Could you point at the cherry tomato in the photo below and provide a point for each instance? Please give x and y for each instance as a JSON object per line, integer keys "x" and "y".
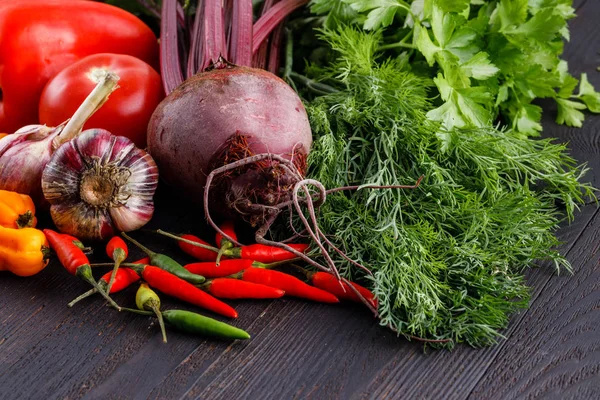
{"x": 127, "y": 110}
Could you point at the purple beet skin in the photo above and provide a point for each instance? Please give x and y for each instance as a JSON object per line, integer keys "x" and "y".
{"x": 194, "y": 123}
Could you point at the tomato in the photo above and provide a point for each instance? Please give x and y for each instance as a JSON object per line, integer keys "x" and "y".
{"x": 39, "y": 38}
{"x": 127, "y": 110}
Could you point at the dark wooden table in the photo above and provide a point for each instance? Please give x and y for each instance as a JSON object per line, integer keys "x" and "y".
{"x": 305, "y": 350}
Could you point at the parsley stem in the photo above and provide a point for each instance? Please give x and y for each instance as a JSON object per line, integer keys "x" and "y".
{"x": 317, "y": 87}
{"x": 396, "y": 45}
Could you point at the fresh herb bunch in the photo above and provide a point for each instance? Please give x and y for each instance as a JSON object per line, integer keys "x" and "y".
{"x": 488, "y": 59}
{"x": 447, "y": 257}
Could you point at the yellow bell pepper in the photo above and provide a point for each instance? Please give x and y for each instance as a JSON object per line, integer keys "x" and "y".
{"x": 23, "y": 252}
{"x": 16, "y": 210}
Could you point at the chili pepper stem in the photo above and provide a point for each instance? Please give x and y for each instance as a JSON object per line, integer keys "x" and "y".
{"x": 130, "y": 265}
{"x": 161, "y": 322}
{"x": 172, "y": 236}
{"x": 146, "y": 250}
{"x": 222, "y": 251}
{"x": 133, "y": 310}
{"x": 119, "y": 258}
{"x": 85, "y": 273}
{"x": 82, "y": 296}
{"x": 275, "y": 264}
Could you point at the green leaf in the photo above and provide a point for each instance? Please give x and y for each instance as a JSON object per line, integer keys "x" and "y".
{"x": 542, "y": 27}
{"x": 448, "y": 115}
{"x": 502, "y": 94}
{"x": 567, "y": 82}
{"x": 426, "y": 46}
{"x": 381, "y": 12}
{"x": 479, "y": 67}
{"x": 443, "y": 86}
{"x": 379, "y": 17}
{"x": 528, "y": 119}
{"x": 537, "y": 82}
{"x": 472, "y": 102}
{"x": 512, "y": 13}
{"x": 568, "y": 112}
{"x": 449, "y": 6}
{"x": 442, "y": 24}
{"x": 588, "y": 94}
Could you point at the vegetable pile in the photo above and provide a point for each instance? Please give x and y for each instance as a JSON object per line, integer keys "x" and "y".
{"x": 387, "y": 152}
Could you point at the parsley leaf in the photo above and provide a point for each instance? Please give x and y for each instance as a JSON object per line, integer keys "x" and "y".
{"x": 568, "y": 112}
{"x": 588, "y": 95}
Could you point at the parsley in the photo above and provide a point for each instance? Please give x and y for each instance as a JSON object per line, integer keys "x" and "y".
{"x": 490, "y": 59}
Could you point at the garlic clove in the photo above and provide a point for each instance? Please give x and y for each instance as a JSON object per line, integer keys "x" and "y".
{"x": 102, "y": 182}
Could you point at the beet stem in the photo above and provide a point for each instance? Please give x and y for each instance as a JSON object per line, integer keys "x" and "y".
{"x": 170, "y": 66}
{"x": 240, "y": 50}
{"x": 271, "y": 19}
{"x": 275, "y": 50}
{"x": 196, "y": 44}
{"x": 214, "y": 46}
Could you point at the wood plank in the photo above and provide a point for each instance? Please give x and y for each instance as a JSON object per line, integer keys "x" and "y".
{"x": 309, "y": 350}
{"x": 556, "y": 351}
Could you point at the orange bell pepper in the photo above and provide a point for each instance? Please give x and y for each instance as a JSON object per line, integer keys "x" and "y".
{"x": 16, "y": 210}
{"x": 24, "y": 252}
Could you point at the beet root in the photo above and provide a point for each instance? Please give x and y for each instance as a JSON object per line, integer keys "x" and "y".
{"x": 192, "y": 129}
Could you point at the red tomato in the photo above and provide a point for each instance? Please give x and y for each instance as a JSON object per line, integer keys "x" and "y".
{"x": 127, "y": 110}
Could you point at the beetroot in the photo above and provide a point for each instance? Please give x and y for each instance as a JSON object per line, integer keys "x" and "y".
{"x": 237, "y": 137}
{"x": 189, "y": 129}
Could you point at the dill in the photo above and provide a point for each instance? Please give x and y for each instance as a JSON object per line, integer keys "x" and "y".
{"x": 447, "y": 257}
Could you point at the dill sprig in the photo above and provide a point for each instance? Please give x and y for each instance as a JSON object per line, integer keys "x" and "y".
{"x": 447, "y": 257}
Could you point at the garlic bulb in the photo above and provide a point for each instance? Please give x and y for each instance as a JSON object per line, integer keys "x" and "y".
{"x": 23, "y": 156}
{"x": 98, "y": 184}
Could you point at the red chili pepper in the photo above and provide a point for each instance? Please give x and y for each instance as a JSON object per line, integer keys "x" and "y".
{"x": 229, "y": 288}
{"x": 228, "y": 228}
{"x": 292, "y": 285}
{"x": 223, "y": 243}
{"x": 329, "y": 282}
{"x": 76, "y": 241}
{"x": 116, "y": 248}
{"x": 173, "y": 286}
{"x": 265, "y": 254}
{"x": 74, "y": 260}
{"x": 225, "y": 268}
{"x": 124, "y": 278}
{"x": 198, "y": 253}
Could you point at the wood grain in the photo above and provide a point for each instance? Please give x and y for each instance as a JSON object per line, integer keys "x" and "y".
{"x": 556, "y": 351}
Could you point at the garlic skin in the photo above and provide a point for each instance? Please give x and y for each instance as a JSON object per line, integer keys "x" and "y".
{"x": 23, "y": 156}
{"x": 99, "y": 184}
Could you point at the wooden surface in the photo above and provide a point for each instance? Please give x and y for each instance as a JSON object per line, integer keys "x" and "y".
{"x": 306, "y": 350}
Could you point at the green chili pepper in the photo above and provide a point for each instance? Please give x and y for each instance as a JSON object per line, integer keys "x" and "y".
{"x": 190, "y": 322}
{"x": 147, "y": 299}
{"x": 168, "y": 264}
